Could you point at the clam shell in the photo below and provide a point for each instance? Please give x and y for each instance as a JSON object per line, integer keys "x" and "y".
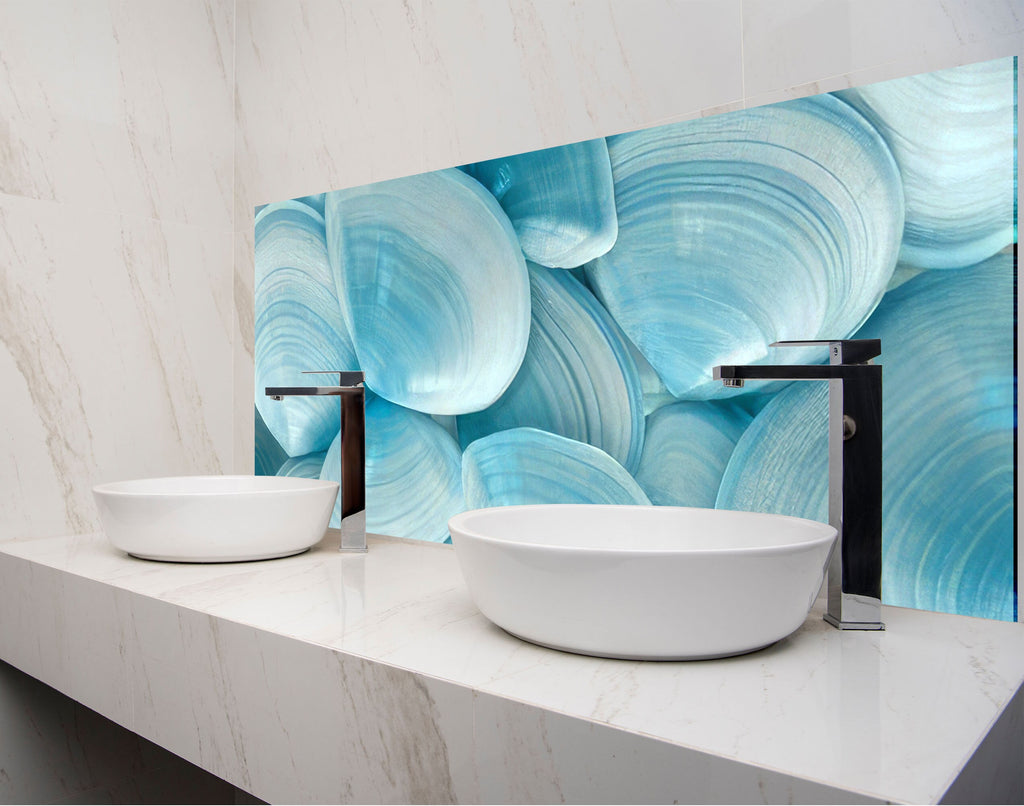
{"x": 953, "y": 134}
{"x": 433, "y": 287}
{"x": 560, "y": 201}
{"x": 530, "y": 466}
{"x": 780, "y": 462}
{"x": 686, "y": 449}
{"x": 735, "y": 231}
{"x": 305, "y": 467}
{"x": 268, "y": 453}
{"x": 578, "y": 378}
{"x": 413, "y": 474}
{"x": 299, "y": 326}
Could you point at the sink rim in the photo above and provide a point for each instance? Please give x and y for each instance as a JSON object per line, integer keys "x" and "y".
{"x": 149, "y": 486}
{"x": 826, "y": 533}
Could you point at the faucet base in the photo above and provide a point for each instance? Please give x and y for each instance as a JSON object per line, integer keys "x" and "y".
{"x": 853, "y": 625}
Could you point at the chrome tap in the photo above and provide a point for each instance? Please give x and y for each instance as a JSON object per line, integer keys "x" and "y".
{"x": 352, "y": 485}
{"x": 854, "y": 470}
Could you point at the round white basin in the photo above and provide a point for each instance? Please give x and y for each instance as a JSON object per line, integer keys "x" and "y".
{"x": 207, "y": 519}
{"x": 652, "y": 583}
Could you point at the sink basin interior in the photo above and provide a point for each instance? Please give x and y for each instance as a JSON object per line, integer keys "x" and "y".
{"x": 654, "y": 583}
{"x": 215, "y": 518}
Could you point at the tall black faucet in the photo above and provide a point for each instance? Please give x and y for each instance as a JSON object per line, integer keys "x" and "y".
{"x": 352, "y": 483}
{"x": 854, "y": 470}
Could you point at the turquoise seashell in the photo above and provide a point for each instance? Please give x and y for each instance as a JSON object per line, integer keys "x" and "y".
{"x": 560, "y": 201}
{"x": 735, "y": 231}
{"x": 655, "y": 392}
{"x": 577, "y": 379}
{"x": 530, "y": 466}
{"x": 268, "y": 453}
{"x": 316, "y": 201}
{"x": 299, "y": 326}
{"x": 413, "y": 474}
{"x": 953, "y": 134}
{"x": 434, "y": 289}
{"x": 290, "y": 234}
{"x": 686, "y": 449}
{"x": 305, "y": 467}
{"x": 948, "y": 443}
{"x": 780, "y": 463}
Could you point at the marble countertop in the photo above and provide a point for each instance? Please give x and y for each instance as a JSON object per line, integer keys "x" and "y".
{"x": 329, "y": 677}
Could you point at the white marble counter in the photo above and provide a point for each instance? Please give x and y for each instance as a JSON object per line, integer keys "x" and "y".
{"x": 373, "y": 678}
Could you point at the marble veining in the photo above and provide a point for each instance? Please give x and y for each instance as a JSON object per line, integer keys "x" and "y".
{"x": 385, "y": 659}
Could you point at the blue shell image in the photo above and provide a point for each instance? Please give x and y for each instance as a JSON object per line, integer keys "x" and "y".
{"x": 542, "y": 327}
{"x": 953, "y": 135}
{"x": 578, "y": 378}
{"x": 531, "y": 466}
{"x": 560, "y": 201}
{"x": 433, "y": 288}
{"x": 739, "y": 230}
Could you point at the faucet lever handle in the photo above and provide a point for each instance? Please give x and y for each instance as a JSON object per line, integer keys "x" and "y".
{"x": 345, "y": 377}
{"x": 842, "y": 351}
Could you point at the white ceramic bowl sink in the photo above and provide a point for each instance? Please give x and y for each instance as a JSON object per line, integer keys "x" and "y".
{"x": 209, "y": 519}
{"x": 652, "y": 583}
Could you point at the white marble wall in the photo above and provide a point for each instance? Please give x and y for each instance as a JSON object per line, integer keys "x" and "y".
{"x": 116, "y": 320}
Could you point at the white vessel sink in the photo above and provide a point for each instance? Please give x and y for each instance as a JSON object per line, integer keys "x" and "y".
{"x": 208, "y": 519}
{"x": 652, "y": 583}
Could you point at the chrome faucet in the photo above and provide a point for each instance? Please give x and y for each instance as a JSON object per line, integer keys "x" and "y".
{"x": 854, "y": 470}
{"x": 352, "y": 485}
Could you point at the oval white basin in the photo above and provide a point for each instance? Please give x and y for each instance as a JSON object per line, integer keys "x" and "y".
{"x": 208, "y": 519}
{"x": 651, "y": 583}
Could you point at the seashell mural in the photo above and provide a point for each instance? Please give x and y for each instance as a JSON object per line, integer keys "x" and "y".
{"x": 949, "y": 415}
{"x": 686, "y": 449}
{"x": 433, "y": 287}
{"x": 953, "y": 134}
{"x": 577, "y": 379}
{"x": 560, "y": 200}
{"x": 530, "y": 466}
{"x": 736, "y": 231}
{"x": 413, "y": 474}
{"x": 298, "y": 325}
{"x": 541, "y": 328}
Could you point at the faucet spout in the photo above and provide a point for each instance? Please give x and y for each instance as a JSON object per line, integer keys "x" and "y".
{"x": 352, "y": 396}
{"x": 855, "y": 470}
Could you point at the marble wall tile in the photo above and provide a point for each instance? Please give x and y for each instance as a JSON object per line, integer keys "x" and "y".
{"x": 116, "y": 217}
{"x": 389, "y": 89}
{"x": 816, "y": 46}
{"x": 115, "y": 348}
{"x": 119, "y": 106}
{"x": 243, "y": 341}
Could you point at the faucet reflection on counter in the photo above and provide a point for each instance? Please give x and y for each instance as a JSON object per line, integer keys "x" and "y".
{"x": 854, "y": 470}
{"x": 352, "y": 481}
